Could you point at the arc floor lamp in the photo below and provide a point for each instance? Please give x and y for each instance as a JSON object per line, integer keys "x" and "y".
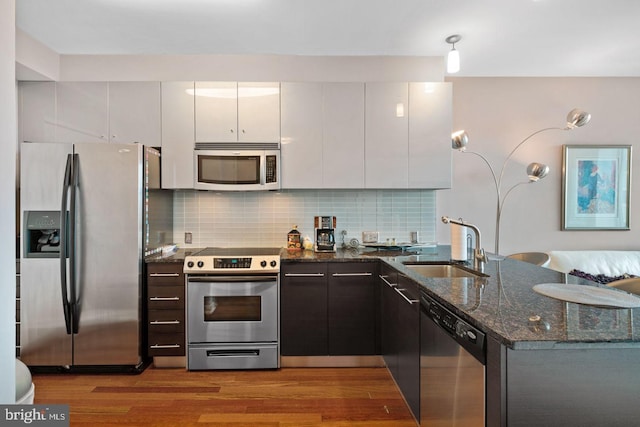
{"x": 535, "y": 171}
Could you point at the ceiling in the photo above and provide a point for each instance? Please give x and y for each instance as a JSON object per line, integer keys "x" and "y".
{"x": 499, "y": 37}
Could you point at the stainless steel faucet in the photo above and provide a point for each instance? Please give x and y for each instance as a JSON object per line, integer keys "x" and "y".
{"x": 479, "y": 257}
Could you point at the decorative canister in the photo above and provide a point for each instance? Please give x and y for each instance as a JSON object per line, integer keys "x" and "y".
{"x": 294, "y": 242}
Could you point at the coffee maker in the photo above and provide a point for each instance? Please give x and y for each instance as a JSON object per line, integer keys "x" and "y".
{"x": 325, "y": 233}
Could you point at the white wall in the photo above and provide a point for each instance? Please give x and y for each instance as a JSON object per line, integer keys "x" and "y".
{"x": 35, "y": 61}
{"x": 498, "y": 113}
{"x": 8, "y": 146}
{"x": 250, "y": 68}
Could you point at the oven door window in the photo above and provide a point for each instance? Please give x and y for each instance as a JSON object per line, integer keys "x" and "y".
{"x": 229, "y": 169}
{"x": 232, "y": 309}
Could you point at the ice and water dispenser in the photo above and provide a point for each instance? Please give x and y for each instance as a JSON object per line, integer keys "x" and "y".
{"x": 41, "y": 234}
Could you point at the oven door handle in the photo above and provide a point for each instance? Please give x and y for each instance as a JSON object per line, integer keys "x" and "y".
{"x": 220, "y": 279}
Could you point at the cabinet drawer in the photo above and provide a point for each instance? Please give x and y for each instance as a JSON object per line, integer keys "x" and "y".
{"x": 166, "y": 344}
{"x": 166, "y": 297}
{"x": 165, "y": 274}
{"x": 166, "y": 321}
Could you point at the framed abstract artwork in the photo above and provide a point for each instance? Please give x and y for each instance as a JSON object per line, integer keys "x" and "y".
{"x": 596, "y": 182}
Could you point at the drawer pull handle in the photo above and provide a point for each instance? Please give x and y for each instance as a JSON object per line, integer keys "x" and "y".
{"x": 410, "y": 301}
{"x": 352, "y": 274}
{"x": 164, "y": 275}
{"x": 304, "y": 274}
{"x": 164, "y": 299}
{"x": 155, "y": 346}
{"x": 165, "y": 322}
{"x": 384, "y": 279}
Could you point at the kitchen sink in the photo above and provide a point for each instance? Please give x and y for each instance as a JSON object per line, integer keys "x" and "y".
{"x": 443, "y": 270}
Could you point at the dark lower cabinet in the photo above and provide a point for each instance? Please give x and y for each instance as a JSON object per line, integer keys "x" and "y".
{"x": 352, "y": 309}
{"x": 303, "y": 309}
{"x": 388, "y": 280}
{"x": 166, "y": 332}
{"x": 408, "y": 337}
{"x": 328, "y": 309}
{"x": 400, "y": 334}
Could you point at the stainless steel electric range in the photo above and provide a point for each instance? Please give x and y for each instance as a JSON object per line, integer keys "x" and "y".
{"x": 233, "y": 308}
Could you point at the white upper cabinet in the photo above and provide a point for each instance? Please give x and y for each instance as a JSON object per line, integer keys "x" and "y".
{"x": 408, "y": 133}
{"x": 387, "y": 131}
{"x": 237, "y": 112}
{"x": 216, "y": 105}
{"x": 343, "y": 135}
{"x": 82, "y": 112}
{"x": 322, "y": 135}
{"x": 177, "y": 135}
{"x": 37, "y": 111}
{"x": 259, "y": 112}
{"x": 134, "y": 113}
{"x": 430, "y": 123}
{"x": 90, "y": 112}
{"x": 301, "y": 144}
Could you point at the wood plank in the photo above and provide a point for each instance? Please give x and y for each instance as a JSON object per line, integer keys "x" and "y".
{"x": 288, "y": 397}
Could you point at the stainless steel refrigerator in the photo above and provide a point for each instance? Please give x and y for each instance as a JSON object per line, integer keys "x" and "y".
{"x": 86, "y": 224}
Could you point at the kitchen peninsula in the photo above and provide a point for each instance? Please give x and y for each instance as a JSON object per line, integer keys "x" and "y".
{"x": 548, "y": 362}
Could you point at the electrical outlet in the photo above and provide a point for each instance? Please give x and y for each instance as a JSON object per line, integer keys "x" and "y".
{"x": 188, "y": 237}
{"x": 370, "y": 236}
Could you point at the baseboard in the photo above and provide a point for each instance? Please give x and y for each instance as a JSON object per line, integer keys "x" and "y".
{"x": 331, "y": 362}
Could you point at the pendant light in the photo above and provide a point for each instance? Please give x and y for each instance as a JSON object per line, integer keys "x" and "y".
{"x": 453, "y": 59}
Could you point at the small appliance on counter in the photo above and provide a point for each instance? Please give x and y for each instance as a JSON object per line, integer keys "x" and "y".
{"x": 294, "y": 240}
{"x": 325, "y": 227}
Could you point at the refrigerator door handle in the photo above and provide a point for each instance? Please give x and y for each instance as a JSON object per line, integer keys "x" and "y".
{"x": 66, "y": 305}
{"x": 73, "y": 285}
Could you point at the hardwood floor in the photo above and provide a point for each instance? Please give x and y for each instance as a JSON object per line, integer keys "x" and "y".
{"x": 288, "y": 397}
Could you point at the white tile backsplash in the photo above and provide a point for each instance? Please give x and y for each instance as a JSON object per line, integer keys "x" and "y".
{"x": 263, "y": 219}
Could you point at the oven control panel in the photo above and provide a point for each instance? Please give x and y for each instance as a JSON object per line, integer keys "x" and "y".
{"x": 224, "y": 264}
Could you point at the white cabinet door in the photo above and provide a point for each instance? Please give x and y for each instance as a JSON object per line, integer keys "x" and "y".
{"x": 301, "y": 144}
{"x": 430, "y": 122}
{"x": 343, "y": 135}
{"x": 82, "y": 112}
{"x": 258, "y": 112}
{"x": 37, "y": 111}
{"x": 386, "y": 132}
{"x": 216, "y": 111}
{"x": 177, "y": 134}
{"x": 237, "y": 112}
{"x": 134, "y": 112}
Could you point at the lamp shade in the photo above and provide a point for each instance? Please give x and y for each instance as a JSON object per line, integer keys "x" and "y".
{"x": 537, "y": 171}
{"x": 577, "y": 118}
{"x": 453, "y": 61}
{"x": 459, "y": 140}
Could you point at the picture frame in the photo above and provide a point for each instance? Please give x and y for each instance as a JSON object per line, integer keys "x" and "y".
{"x": 596, "y": 181}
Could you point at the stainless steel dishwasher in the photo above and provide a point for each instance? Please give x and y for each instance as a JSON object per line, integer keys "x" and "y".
{"x": 452, "y": 368}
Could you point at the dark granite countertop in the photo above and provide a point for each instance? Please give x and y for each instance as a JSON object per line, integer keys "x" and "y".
{"x": 177, "y": 256}
{"x": 502, "y": 304}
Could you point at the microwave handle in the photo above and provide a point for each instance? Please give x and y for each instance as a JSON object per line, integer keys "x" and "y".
{"x": 263, "y": 169}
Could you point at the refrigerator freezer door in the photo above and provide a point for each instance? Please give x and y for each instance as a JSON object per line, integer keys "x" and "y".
{"x": 43, "y": 336}
{"x": 109, "y": 250}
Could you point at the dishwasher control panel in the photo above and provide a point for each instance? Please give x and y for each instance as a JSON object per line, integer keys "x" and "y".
{"x": 472, "y": 339}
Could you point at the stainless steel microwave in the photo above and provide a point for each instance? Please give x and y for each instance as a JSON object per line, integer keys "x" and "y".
{"x": 237, "y": 170}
